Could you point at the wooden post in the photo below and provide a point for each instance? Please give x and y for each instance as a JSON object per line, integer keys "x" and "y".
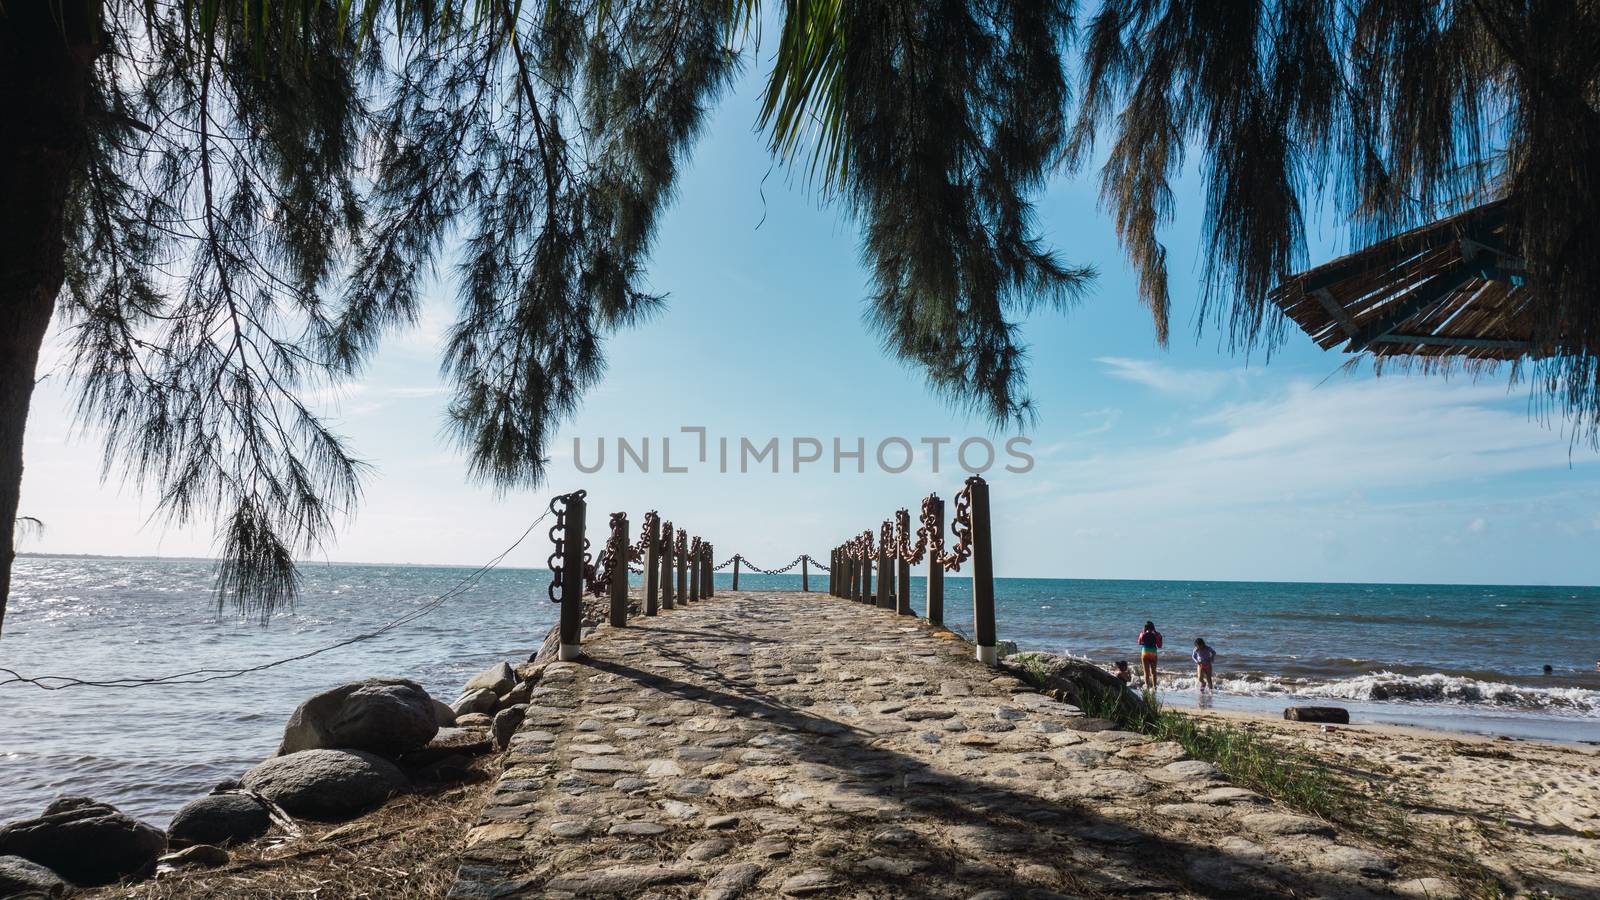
{"x": 885, "y": 576}
{"x": 982, "y": 573}
{"x": 682, "y": 559}
{"x": 652, "y": 568}
{"x": 694, "y": 570}
{"x": 866, "y": 579}
{"x": 833, "y": 572}
{"x": 805, "y": 575}
{"x": 619, "y": 570}
{"x": 736, "y": 571}
{"x": 572, "y": 578}
{"x": 666, "y": 566}
{"x": 902, "y": 603}
{"x": 935, "y": 565}
{"x": 709, "y": 578}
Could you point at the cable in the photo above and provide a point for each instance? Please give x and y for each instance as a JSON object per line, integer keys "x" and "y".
{"x": 201, "y": 676}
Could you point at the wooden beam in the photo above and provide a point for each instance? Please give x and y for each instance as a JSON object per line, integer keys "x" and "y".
{"x": 1439, "y": 340}
{"x": 1325, "y": 297}
{"x": 1420, "y": 301}
{"x": 1396, "y": 250}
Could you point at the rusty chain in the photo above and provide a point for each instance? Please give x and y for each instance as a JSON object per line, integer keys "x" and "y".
{"x": 961, "y": 527}
{"x": 600, "y": 581}
{"x": 895, "y": 537}
{"x": 642, "y": 545}
{"x": 558, "y": 533}
{"x": 902, "y": 538}
{"x": 779, "y": 571}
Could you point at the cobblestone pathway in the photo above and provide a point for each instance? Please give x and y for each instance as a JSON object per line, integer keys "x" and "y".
{"x": 785, "y": 744}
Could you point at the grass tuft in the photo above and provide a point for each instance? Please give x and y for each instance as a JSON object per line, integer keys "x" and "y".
{"x": 1297, "y": 779}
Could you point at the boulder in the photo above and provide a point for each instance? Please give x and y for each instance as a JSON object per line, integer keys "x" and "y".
{"x": 379, "y": 715}
{"x": 550, "y": 649}
{"x": 327, "y": 785}
{"x": 443, "y": 715}
{"x": 86, "y": 842}
{"x": 449, "y": 742}
{"x": 1336, "y": 715}
{"x": 1004, "y": 649}
{"x": 474, "y": 720}
{"x": 480, "y": 700}
{"x": 498, "y": 678}
{"x": 1080, "y": 683}
{"x": 505, "y": 724}
{"x": 519, "y": 694}
{"x": 19, "y": 877}
{"x": 219, "y": 819}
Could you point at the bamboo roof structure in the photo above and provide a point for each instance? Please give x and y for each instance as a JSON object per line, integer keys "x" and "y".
{"x": 1450, "y": 290}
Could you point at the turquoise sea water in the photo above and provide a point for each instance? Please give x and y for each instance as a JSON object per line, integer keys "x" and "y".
{"x": 1450, "y": 656}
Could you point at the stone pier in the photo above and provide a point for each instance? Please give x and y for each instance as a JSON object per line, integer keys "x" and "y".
{"x": 785, "y": 744}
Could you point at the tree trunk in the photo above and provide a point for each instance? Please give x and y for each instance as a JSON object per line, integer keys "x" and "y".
{"x": 47, "y": 52}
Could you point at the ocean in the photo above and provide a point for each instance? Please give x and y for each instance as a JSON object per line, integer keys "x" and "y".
{"x": 1458, "y": 656}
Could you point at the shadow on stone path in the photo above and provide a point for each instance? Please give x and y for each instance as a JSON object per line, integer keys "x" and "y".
{"x": 785, "y": 744}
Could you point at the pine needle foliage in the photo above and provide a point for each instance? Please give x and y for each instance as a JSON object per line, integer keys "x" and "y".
{"x": 935, "y": 123}
{"x": 267, "y": 182}
{"x": 220, "y": 182}
{"x": 1394, "y": 113}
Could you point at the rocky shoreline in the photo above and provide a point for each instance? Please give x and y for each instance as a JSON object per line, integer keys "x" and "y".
{"x": 345, "y": 753}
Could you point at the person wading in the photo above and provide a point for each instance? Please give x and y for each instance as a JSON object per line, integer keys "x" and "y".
{"x": 1149, "y": 647}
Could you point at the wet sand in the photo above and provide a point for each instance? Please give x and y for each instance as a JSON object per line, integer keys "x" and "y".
{"x": 1528, "y": 810}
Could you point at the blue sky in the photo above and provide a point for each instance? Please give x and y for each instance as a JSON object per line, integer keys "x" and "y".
{"x": 1150, "y": 463}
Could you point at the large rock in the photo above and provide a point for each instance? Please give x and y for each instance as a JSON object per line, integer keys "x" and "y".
{"x": 1080, "y": 683}
{"x": 327, "y": 785}
{"x": 443, "y": 715}
{"x": 21, "y": 878}
{"x": 550, "y": 649}
{"x": 86, "y": 842}
{"x": 505, "y": 724}
{"x": 379, "y": 715}
{"x": 479, "y": 700}
{"x": 498, "y": 678}
{"x": 447, "y": 743}
{"x": 1336, "y": 715}
{"x": 220, "y": 819}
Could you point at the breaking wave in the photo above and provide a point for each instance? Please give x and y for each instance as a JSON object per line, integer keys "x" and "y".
{"x": 1391, "y": 687}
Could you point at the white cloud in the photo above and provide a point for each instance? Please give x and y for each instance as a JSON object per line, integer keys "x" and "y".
{"x": 407, "y": 393}
{"x": 1107, "y": 421}
{"x": 1325, "y": 443}
{"x": 1198, "y": 384}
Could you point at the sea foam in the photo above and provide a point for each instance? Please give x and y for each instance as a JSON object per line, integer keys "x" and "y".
{"x": 1392, "y": 687}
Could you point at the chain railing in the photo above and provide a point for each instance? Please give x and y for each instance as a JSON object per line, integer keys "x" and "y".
{"x": 659, "y": 553}
{"x": 856, "y": 559}
{"x": 679, "y": 568}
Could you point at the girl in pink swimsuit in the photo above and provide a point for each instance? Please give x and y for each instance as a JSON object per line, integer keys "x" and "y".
{"x": 1202, "y": 656}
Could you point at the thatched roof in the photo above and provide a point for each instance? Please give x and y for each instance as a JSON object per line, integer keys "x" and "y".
{"x": 1448, "y": 289}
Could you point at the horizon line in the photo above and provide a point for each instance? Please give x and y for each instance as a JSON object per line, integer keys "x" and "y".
{"x": 820, "y": 574}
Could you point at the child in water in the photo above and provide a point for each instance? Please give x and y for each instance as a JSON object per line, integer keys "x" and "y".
{"x": 1149, "y": 645}
{"x": 1122, "y": 673}
{"x": 1203, "y": 655}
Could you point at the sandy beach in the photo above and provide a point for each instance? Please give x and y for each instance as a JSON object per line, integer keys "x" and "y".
{"x": 1527, "y": 810}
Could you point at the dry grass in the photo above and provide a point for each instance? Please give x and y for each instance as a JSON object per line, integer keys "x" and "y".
{"x": 407, "y": 849}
